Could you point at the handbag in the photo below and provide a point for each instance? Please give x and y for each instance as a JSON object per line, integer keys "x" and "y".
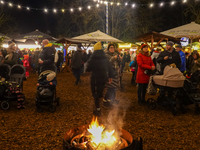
{"x": 151, "y": 90}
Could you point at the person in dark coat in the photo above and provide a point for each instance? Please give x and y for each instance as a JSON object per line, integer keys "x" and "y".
{"x": 89, "y": 54}
{"x": 126, "y": 60}
{"x": 114, "y": 59}
{"x": 144, "y": 63}
{"x": 169, "y": 56}
{"x": 98, "y": 64}
{"x": 77, "y": 63}
{"x": 189, "y": 62}
{"x": 47, "y": 55}
{"x": 10, "y": 56}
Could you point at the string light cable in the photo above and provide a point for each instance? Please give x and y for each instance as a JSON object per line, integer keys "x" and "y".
{"x": 97, "y": 4}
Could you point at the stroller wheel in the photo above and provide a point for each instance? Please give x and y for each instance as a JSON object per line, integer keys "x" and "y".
{"x": 5, "y": 105}
{"x": 151, "y": 103}
{"x": 174, "y": 110}
{"x": 39, "y": 108}
{"x": 52, "y": 108}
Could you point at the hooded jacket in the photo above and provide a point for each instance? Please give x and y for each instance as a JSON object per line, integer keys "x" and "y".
{"x": 174, "y": 57}
{"x": 47, "y": 55}
{"x": 15, "y": 58}
{"x": 144, "y": 62}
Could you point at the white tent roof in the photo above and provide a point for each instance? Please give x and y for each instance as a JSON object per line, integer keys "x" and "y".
{"x": 191, "y": 30}
{"x": 97, "y": 36}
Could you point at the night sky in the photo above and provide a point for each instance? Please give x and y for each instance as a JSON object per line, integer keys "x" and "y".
{"x": 33, "y": 19}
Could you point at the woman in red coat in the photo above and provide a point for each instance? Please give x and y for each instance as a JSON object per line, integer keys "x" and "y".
{"x": 145, "y": 63}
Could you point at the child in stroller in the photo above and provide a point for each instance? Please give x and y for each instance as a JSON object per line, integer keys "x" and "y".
{"x": 11, "y": 88}
{"x": 46, "y": 88}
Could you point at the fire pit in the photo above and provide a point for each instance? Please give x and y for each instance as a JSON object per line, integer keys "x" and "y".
{"x": 97, "y": 137}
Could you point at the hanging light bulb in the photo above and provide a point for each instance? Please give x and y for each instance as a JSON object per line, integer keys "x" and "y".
{"x": 80, "y": 8}
{"x": 45, "y": 10}
{"x": 28, "y": 8}
{"x": 97, "y": 5}
{"x": 19, "y": 6}
{"x": 126, "y": 4}
{"x": 10, "y": 4}
{"x": 55, "y": 11}
{"x": 105, "y": 2}
{"x": 71, "y": 9}
{"x": 133, "y": 5}
{"x": 2, "y": 2}
{"x": 184, "y": 1}
{"x": 151, "y": 5}
{"x": 173, "y": 2}
{"x": 63, "y": 10}
{"x": 161, "y": 4}
{"x": 111, "y": 3}
{"x": 118, "y": 4}
{"x": 101, "y": 2}
{"x": 89, "y": 7}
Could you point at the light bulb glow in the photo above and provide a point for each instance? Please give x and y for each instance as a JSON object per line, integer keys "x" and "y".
{"x": 173, "y": 2}
{"x": 118, "y": 4}
{"x": 151, "y": 5}
{"x": 111, "y": 3}
{"x": 63, "y": 10}
{"x": 71, "y": 9}
{"x": 89, "y": 7}
{"x": 133, "y": 5}
{"x": 80, "y": 8}
{"x": 126, "y": 4}
{"x": 19, "y": 6}
{"x": 2, "y": 2}
{"x": 97, "y": 5}
{"x": 10, "y": 4}
{"x": 45, "y": 10}
{"x": 161, "y": 4}
{"x": 55, "y": 11}
{"x": 184, "y": 1}
{"x": 28, "y": 8}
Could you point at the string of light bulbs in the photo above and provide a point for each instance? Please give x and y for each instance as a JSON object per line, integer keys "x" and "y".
{"x": 98, "y": 4}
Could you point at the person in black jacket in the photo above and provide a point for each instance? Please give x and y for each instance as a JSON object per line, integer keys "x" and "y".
{"x": 77, "y": 63}
{"x": 47, "y": 55}
{"x": 99, "y": 65}
{"x": 169, "y": 56}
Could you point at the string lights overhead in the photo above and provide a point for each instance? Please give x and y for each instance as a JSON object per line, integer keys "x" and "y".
{"x": 98, "y": 3}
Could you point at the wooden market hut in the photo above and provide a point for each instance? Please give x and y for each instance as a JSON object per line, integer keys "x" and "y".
{"x": 152, "y": 37}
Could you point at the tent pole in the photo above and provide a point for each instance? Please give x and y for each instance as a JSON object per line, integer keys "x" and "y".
{"x": 107, "y": 18}
{"x": 191, "y": 45}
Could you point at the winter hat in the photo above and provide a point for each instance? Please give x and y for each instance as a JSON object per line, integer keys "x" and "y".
{"x": 98, "y": 46}
{"x": 26, "y": 56}
{"x": 51, "y": 76}
{"x": 170, "y": 43}
{"x": 144, "y": 45}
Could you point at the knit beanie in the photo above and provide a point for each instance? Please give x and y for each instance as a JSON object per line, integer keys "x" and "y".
{"x": 170, "y": 43}
{"x": 143, "y": 45}
{"x": 98, "y": 46}
{"x": 51, "y": 76}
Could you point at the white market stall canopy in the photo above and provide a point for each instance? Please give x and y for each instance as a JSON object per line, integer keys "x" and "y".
{"x": 97, "y": 36}
{"x": 191, "y": 30}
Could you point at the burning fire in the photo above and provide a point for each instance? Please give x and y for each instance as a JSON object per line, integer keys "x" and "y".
{"x": 99, "y": 136}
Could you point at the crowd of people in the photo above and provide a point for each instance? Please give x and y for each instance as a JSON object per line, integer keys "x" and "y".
{"x": 107, "y": 66}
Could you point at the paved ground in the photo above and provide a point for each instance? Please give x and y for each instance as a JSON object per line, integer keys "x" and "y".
{"x": 28, "y": 129}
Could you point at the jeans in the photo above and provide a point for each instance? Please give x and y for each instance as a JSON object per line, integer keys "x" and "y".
{"x": 77, "y": 74}
{"x": 110, "y": 94}
{"x": 142, "y": 88}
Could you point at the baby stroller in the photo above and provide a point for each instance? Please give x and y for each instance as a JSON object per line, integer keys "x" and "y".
{"x": 168, "y": 83}
{"x": 42, "y": 99}
{"x": 13, "y": 78}
{"x": 189, "y": 94}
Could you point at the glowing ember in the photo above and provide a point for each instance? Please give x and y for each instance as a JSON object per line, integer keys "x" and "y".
{"x": 99, "y": 136}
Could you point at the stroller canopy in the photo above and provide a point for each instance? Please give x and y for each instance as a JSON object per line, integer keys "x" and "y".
{"x": 172, "y": 77}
